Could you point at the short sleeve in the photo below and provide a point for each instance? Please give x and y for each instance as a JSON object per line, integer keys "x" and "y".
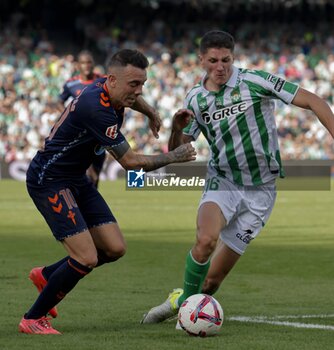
{"x": 64, "y": 96}
{"x": 282, "y": 89}
{"x": 105, "y": 128}
{"x": 272, "y": 85}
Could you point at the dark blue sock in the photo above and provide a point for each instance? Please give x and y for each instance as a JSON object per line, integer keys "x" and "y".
{"x": 61, "y": 282}
{"x": 49, "y": 270}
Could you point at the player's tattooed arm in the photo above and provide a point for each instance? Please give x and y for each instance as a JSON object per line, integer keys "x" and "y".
{"x": 131, "y": 160}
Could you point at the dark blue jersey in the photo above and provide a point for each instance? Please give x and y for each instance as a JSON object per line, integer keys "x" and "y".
{"x": 87, "y": 125}
{"x": 75, "y": 85}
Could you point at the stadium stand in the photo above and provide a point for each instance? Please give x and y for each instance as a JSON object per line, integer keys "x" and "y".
{"x": 37, "y": 57}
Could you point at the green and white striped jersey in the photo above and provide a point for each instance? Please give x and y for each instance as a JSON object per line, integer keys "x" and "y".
{"x": 239, "y": 125}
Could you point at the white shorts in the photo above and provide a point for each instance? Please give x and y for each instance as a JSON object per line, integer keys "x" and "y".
{"x": 245, "y": 209}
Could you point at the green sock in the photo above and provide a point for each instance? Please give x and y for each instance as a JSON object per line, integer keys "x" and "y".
{"x": 194, "y": 277}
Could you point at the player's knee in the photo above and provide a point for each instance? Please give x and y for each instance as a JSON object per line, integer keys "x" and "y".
{"x": 112, "y": 254}
{"x": 117, "y": 252}
{"x": 90, "y": 260}
{"x": 203, "y": 248}
{"x": 206, "y": 243}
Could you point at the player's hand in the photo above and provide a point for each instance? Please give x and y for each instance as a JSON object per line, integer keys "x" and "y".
{"x": 181, "y": 119}
{"x": 184, "y": 153}
{"x": 155, "y": 123}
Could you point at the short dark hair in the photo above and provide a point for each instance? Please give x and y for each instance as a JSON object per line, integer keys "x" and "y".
{"x": 126, "y": 56}
{"x": 85, "y": 53}
{"x": 216, "y": 39}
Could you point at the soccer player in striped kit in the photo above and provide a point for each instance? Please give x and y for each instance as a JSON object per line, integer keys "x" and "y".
{"x": 234, "y": 109}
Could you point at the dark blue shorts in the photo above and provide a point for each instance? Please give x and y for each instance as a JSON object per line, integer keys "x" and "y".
{"x": 70, "y": 207}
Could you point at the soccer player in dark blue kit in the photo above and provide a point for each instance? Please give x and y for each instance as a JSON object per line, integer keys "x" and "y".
{"x": 73, "y": 87}
{"x": 75, "y": 211}
{"x": 86, "y": 76}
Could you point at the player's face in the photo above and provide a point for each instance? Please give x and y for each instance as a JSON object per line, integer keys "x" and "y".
{"x": 126, "y": 85}
{"x": 217, "y": 62}
{"x": 86, "y": 65}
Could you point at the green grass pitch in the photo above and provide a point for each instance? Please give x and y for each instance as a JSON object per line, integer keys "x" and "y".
{"x": 286, "y": 271}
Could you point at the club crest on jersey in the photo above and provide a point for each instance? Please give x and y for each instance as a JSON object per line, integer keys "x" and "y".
{"x": 223, "y": 113}
{"x": 235, "y": 97}
{"x": 112, "y": 131}
{"x": 202, "y": 105}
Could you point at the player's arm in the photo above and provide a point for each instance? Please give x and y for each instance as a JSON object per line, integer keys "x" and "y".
{"x": 307, "y": 100}
{"x": 180, "y": 120}
{"x": 154, "y": 119}
{"x": 131, "y": 160}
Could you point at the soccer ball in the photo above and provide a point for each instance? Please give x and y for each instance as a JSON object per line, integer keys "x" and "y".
{"x": 201, "y": 315}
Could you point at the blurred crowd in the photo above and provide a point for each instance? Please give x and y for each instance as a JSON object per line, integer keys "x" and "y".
{"x": 34, "y": 68}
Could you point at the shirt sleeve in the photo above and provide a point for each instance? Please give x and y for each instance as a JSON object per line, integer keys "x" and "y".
{"x": 278, "y": 87}
{"x": 102, "y": 123}
{"x": 65, "y": 94}
{"x": 105, "y": 127}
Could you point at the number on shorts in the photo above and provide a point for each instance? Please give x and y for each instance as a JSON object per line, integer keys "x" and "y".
{"x": 212, "y": 184}
{"x": 68, "y": 197}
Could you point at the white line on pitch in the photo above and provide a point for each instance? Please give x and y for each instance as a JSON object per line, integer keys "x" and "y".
{"x": 279, "y": 323}
{"x": 301, "y": 316}
{"x": 277, "y": 317}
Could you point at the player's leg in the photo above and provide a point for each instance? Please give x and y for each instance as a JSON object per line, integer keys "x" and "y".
{"x": 217, "y": 207}
{"x": 210, "y": 222}
{"x": 254, "y": 211}
{"x": 109, "y": 242}
{"x": 110, "y": 245}
{"x": 106, "y": 234}
{"x": 222, "y": 262}
{"x": 40, "y": 276}
{"x": 48, "y": 270}
{"x": 57, "y": 204}
{"x": 82, "y": 259}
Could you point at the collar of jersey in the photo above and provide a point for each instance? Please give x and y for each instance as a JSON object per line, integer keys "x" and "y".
{"x": 232, "y": 82}
{"x": 105, "y": 88}
{"x": 87, "y": 82}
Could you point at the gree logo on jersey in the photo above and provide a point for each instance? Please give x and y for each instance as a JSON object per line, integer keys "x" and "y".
{"x": 226, "y": 112}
